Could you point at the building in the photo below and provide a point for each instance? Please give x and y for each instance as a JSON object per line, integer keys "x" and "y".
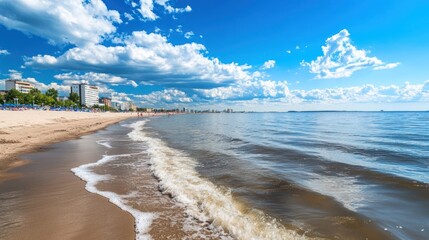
{"x": 19, "y": 85}
{"x": 127, "y": 106}
{"x": 106, "y": 101}
{"x": 116, "y": 105}
{"x": 88, "y": 94}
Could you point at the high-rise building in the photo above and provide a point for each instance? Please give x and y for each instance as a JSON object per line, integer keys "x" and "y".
{"x": 19, "y": 85}
{"x": 106, "y": 101}
{"x": 88, "y": 94}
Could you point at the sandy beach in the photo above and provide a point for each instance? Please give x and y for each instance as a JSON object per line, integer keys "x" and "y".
{"x": 44, "y": 200}
{"x": 25, "y": 131}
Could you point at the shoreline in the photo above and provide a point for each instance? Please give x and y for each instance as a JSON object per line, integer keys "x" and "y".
{"x": 40, "y": 198}
{"x": 27, "y": 131}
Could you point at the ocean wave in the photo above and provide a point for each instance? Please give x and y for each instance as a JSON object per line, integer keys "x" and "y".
{"x": 203, "y": 199}
{"x": 104, "y": 142}
{"x": 143, "y": 220}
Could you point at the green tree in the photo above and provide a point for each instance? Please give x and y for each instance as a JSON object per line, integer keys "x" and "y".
{"x": 52, "y": 92}
{"x": 34, "y": 91}
{"x": 12, "y": 94}
{"x": 48, "y": 100}
{"x": 74, "y": 97}
{"x": 28, "y": 98}
{"x": 1, "y": 98}
{"x": 68, "y": 103}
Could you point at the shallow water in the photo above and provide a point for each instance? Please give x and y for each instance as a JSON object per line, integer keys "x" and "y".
{"x": 270, "y": 175}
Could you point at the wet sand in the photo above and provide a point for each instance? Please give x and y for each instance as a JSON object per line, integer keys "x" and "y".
{"x": 49, "y": 202}
{"x": 42, "y": 199}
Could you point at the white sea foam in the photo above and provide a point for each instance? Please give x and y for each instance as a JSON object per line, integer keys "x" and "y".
{"x": 105, "y": 143}
{"x": 203, "y": 199}
{"x": 143, "y": 220}
{"x": 344, "y": 189}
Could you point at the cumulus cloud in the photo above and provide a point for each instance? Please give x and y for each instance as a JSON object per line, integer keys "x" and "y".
{"x": 4, "y": 52}
{"x": 94, "y": 78}
{"x": 148, "y": 58}
{"x": 247, "y": 90}
{"x": 167, "y": 96}
{"x": 61, "y": 22}
{"x": 189, "y": 34}
{"x": 128, "y": 16}
{"x": 268, "y": 64}
{"x": 279, "y": 91}
{"x": 146, "y": 8}
{"x": 341, "y": 58}
{"x": 14, "y": 74}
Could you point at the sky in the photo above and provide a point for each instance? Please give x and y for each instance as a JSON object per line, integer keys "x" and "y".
{"x": 214, "y": 54}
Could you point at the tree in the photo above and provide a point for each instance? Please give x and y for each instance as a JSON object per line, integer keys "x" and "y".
{"x": 34, "y": 91}
{"x": 48, "y": 100}
{"x": 28, "y": 99}
{"x": 1, "y": 98}
{"x": 52, "y": 92}
{"x": 68, "y": 103}
{"x": 12, "y": 94}
{"x": 74, "y": 97}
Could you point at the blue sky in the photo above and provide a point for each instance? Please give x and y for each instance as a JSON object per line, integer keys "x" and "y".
{"x": 248, "y": 55}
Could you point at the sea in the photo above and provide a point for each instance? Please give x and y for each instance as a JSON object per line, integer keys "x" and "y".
{"x": 296, "y": 175}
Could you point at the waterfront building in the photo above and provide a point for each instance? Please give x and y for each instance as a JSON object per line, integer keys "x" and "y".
{"x": 106, "y": 101}
{"x": 19, "y": 85}
{"x": 88, "y": 94}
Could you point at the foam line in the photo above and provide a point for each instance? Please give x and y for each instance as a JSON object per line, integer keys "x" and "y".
{"x": 203, "y": 199}
{"x": 143, "y": 220}
{"x": 105, "y": 143}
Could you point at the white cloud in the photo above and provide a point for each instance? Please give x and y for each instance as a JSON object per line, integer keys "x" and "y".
{"x": 4, "y": 52}
{"x": 128, "y": 16}
{"x": 189, "y": 34}
{"x": 167, "y": 96}
{"x": 132, "y": 83}
{"x": 279, "y": 91}
{"x": 247, "y": 90}
{"x": 61, "y": 22}
{"x": 289, "y": 51}
{"x": 146, "y": 8}
{"x": 340, "y": 58}
{"x": 148, "y": 58}
{"x": 94, "y": 78}
{"x": 269, "y": 64}
{"x": 14, "y": 74}
{"x": 387, "y": 66}
{"x": 297, "y": 47}
{"x": 171, "y": 9}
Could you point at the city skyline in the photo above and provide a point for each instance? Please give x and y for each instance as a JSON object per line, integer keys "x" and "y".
{"x": 271, "y": 56}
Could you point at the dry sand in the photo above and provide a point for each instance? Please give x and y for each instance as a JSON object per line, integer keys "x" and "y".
{"x": 25, "y": 131}
{"x": 46, "y": 201}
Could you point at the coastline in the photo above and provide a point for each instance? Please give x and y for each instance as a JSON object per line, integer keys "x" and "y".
{"x": 43, "y": 199}
{"x": 26, "y": 131}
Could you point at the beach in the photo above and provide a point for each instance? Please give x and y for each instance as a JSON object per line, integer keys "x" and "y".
{"x": 45, "y": 200}
{"x": 25, "y": 131}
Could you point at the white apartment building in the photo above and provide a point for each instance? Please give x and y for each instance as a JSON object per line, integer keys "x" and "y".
{"x": 19, "y": 85}
{"x": 88, "y": 94}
